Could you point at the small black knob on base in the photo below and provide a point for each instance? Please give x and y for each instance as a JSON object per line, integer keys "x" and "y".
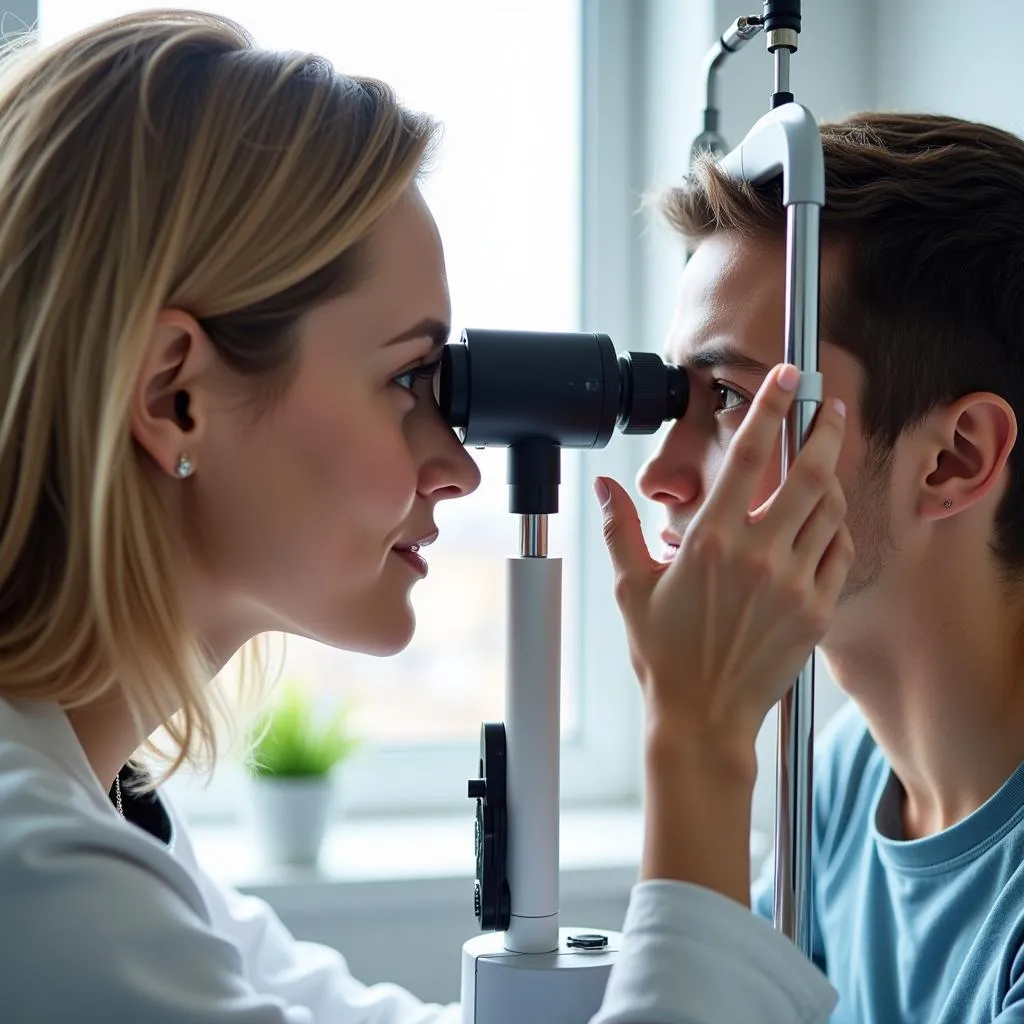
{"x": 588, "y": 940}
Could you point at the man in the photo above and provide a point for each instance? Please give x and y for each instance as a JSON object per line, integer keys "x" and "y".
{"x": 919, "y": 786}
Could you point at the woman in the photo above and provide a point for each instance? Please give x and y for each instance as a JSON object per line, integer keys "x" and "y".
{"x": 221, "y": 302}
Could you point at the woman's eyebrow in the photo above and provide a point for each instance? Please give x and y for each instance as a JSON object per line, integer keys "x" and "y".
{"x": 428, "y": 327}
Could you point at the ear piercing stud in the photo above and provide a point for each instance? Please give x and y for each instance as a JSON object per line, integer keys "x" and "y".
{"x": 184, "y": 467}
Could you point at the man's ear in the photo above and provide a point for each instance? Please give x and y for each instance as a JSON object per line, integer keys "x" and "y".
{"x": 970, "y": 443}
{"x": 169, "y": 403}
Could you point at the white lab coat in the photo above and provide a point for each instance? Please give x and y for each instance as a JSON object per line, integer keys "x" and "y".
{"x": 101, "y": 921}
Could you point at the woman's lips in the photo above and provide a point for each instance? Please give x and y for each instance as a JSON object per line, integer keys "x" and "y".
{"x": 410, "y": 553}
{"x": 413, "y": 559}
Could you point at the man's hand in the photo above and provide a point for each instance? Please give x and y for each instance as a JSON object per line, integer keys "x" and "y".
{"x": 718, "y": 635}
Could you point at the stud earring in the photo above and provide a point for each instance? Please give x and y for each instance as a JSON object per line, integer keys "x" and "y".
{"x": 947, "y": 503}
{"x": 184, "y": 467}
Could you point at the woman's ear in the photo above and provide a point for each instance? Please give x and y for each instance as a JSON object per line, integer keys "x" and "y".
{"x": 170, "y": 401}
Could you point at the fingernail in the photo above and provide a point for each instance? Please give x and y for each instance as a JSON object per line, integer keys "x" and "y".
{"x": 603, "y": 492}
{"x": 840, "y": 406}
{"x": 789, "y": 377}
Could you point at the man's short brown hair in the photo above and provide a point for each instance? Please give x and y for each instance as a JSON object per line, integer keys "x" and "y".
{"x": 929, "y": 212}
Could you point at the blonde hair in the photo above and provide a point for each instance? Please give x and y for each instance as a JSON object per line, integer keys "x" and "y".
{"x": 156, "y": 160}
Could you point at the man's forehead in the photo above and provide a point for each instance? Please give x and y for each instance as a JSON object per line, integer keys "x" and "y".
{"x": 730, "y": 305}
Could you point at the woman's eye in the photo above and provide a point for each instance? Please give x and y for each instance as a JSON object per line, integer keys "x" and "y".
{"x": 408, "y": 379}
{"x": 727, "y": 399}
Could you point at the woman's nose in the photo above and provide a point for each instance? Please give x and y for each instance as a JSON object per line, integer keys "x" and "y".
{"x": 448, "y": 471}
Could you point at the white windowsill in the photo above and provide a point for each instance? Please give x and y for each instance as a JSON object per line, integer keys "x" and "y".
{"x": 365, "y": 859}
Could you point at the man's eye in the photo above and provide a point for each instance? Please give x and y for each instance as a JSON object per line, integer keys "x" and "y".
{"x": 727, "y": 399}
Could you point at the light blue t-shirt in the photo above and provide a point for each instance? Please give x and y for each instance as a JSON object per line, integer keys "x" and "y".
{"x": 929, "y": 931}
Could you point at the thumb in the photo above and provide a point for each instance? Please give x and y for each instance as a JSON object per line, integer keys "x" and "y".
{"x": 622, "y": 532}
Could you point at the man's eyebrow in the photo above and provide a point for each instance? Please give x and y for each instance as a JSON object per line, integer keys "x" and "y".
{"x": 725, "y": 355}
{"x": 428, "y": 327}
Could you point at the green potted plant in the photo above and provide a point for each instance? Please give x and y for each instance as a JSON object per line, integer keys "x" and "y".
{"x": 293, "y": 759}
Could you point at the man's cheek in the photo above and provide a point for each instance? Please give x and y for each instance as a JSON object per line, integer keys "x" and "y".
{"x": 713, "y": 466}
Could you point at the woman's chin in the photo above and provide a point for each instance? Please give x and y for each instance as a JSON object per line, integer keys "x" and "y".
{"x": 380, "y": 628}
{"x": 387, "y": 647}
{"x": 387, "y": 634}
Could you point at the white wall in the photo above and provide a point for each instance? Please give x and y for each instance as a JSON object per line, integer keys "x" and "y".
{"x": 951, "y": 57}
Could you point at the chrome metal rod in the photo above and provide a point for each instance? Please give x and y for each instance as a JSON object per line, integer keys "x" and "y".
{"x": 533, "y": 536}
{"x": 792, "y": 909}
{"x": 709, "y": 72}
{"x": 532, "y": 687}
{"x": 741, "y": 31}
{"x": 782, "y": 70}
{"x": 734, "y": 38}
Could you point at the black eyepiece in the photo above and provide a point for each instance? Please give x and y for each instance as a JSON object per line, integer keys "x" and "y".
{"x": 501, "y": 388}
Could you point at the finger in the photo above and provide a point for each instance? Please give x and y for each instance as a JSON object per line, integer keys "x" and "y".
{"x": 834, "y": 567}
{"x": 818, "y": 532}
{"x": 747, "y": 458}
{"x": 623, "y": 535}
{"x": 811, "y": 476}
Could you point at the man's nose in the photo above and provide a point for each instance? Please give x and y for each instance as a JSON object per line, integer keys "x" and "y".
{"x": 671, "y": 476}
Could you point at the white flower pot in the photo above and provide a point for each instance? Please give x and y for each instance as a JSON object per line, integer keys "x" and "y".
{"x": 290, "y": 817}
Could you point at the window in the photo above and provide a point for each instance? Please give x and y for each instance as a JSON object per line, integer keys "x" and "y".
{"x": 519, "y": 169}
